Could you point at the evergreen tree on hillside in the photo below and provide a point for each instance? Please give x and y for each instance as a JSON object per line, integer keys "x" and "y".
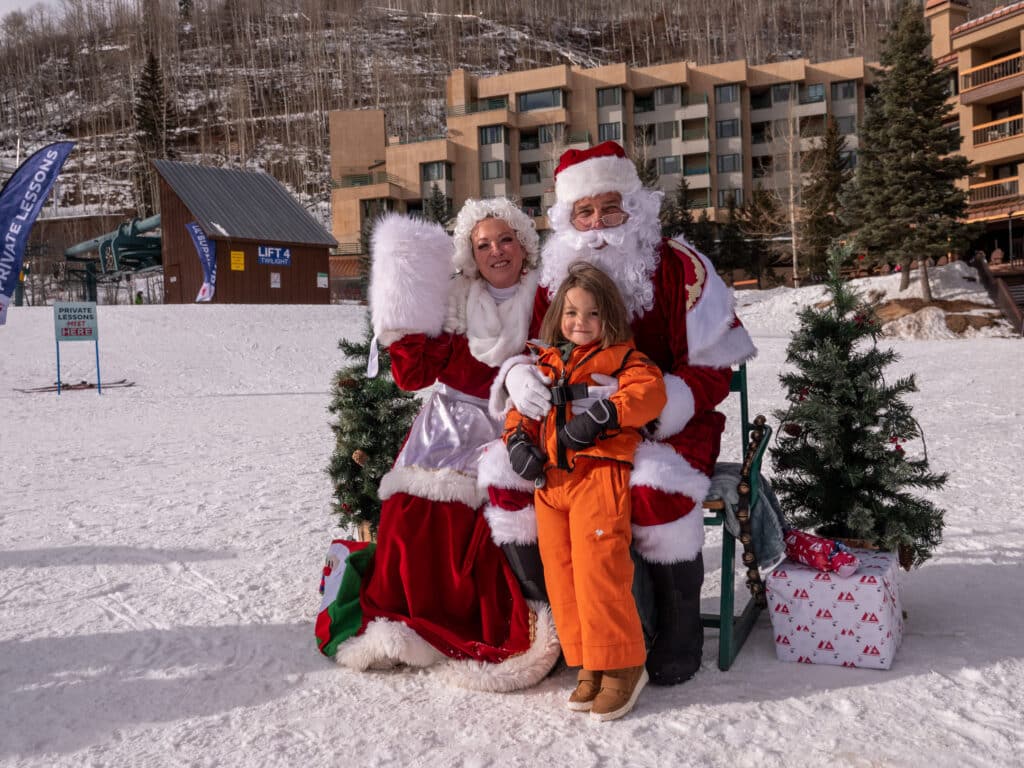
{"x": 839, "y": 461}
{"x": 829, "y": 173}
{"x": 372, "y": 418}
{"x": 904, "y": 205}
{"x": 155, "y": 116}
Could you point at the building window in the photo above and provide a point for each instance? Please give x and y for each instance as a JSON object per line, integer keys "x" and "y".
{"x": 528, "y": 141}
{"x": 727, "y": 94}
{"x": 761, "y": 166}
{"x": 493, "y": 134}
{"x": 549, "y": 133}
{"x": 782, "y": 93}
{"x": 539, "y": 100}
{"x": 730, "y": 163}
{"x": 436, "y": 171}
{"x": 609, "y": 131}
{"x": 667, "y": 131}
{"x": 667, "y": 95}
{"x": 643, "y": 103}
{"x": 847, "y": 124}
{"x": 694, "y": 165}
{"x": 725, "y": 194}
{"x": 492, "y": 169}
{"x": 810, "y": 94}
{"x": 532, "y": 206}
{"x": 761, "y": 99}
{"x": 670, "y": 164}
{"x": 760, "y": 133}
{"x": 529, "y": 173}
{"x": 726, "y": 129}
{"x": 848, "y": 158}
{"x": 845, "y": 90}
{"x": 609, "y": 97}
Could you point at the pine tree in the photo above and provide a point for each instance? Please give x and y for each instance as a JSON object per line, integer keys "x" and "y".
{"x": 840, "y": 465}
{"x": 828, "y": 173}
{"x": 372, "y": 418}
{"x": 435, "y": 207}
{"x": 904, "y": 205}
{"x": 155, "y": 116}
{"x": 762, "y": 222}
{"x": 704, "y": 235}
{"x": 676, "y": 216}
{"x": 732, "y": 249}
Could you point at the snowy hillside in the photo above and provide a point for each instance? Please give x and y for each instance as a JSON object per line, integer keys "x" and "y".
{"x": 161, "y": 546}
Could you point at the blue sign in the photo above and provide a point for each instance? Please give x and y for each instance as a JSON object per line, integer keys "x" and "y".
{"x": 21, "y": 199}
{"x": 275, "y": 256}
{"x": 207, "y": 250}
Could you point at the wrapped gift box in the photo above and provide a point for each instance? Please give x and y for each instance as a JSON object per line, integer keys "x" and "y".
{"x": 821, "y": 618}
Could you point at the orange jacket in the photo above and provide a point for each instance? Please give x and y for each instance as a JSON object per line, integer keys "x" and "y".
{"x": 639, "y": 401}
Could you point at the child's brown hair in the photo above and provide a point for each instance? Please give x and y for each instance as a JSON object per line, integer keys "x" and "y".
{"x": 610, "y": 307}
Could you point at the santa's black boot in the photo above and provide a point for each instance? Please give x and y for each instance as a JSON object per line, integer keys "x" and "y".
{"x": 524, "y": 559}
{"x": 675, "y": 657}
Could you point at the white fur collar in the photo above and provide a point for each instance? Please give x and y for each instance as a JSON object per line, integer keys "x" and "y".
{"x": 495, "y": 331}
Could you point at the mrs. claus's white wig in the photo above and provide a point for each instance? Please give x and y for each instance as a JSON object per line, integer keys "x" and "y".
{"x": 475, "y": 211}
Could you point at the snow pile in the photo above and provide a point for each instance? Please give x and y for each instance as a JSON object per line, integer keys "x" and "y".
{"x": 774, "y": 311}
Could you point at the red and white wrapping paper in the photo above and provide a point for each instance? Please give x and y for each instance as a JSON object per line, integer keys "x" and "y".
{"x": 821, "y": 618}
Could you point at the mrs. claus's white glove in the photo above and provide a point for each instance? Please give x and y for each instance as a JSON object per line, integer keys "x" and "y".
{"x": 528, "y": 390}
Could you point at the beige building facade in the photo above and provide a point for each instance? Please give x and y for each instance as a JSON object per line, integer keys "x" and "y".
{"x": 986, "y": 66}
{"x": 724, "y": 128}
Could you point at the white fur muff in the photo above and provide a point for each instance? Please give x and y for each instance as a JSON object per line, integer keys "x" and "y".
{"x": 410, "y": 277}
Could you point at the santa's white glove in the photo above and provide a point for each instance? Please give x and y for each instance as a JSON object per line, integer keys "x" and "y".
{"x": 608, "y": 386}
{"x": 528, "y": 390}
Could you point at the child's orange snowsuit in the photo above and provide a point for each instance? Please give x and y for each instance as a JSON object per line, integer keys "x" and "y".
{"x": 583, "y": 511}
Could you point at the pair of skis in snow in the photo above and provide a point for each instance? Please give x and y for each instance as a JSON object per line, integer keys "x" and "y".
{"x": 78, "y": 385}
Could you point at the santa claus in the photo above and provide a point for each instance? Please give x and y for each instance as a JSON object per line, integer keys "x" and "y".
{"x": 682, "y": 316}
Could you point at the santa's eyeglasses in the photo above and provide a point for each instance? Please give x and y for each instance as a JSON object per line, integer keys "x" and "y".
{"x": 588, "y": 220}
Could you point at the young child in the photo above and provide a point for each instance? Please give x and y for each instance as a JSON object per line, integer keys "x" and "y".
{"x": 581, "y": 465}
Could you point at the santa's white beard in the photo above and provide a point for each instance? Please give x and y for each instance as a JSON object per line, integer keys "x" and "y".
{"x": 619, "y": 252}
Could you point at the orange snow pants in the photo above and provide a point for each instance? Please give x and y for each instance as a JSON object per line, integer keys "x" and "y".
{"x": 583, "y": 529}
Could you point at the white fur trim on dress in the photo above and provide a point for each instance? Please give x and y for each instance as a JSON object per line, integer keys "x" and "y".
{"x": 499, "y": 403}
{"x": 508, "y": 526}
{"x": 733, "y": 348}
{"x": 495, "y": 470}
{"x": 595, "y": 177}
{"x": 678, "y": 410}
{"x": 409, "y": 277}
{"x": 516, "y": 672}
{"x": 676, "y": 542}
{"x": 434, "y": 484}
{"x": 385, "y": 644}
{"x": 658, "y": 466}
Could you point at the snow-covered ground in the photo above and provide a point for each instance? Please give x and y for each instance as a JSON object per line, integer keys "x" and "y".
{"x": 161, "y": 546}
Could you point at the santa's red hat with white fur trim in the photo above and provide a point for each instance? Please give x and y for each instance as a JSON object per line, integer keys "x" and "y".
{"x": 594, "y": 171}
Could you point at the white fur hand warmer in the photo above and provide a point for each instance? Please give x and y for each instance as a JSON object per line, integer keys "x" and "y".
{"x": 410, "y": 277}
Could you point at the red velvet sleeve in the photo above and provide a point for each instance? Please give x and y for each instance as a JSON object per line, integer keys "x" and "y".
{"x": 417, "y": 360}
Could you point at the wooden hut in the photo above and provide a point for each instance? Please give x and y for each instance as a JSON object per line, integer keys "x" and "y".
{"x": 269, "y": 249}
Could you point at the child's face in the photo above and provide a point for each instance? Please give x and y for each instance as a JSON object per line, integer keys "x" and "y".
{"x": 581, "y": 323}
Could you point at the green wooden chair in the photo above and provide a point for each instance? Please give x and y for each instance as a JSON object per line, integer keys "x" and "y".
{"x": 733, "y": 629}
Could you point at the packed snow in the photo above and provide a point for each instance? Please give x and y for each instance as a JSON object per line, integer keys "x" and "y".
{"x": 161, "y": 547}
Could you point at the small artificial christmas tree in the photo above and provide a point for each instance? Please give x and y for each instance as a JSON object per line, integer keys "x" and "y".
{"x": 840, "y": 464}
{"x": 373, "y": 417}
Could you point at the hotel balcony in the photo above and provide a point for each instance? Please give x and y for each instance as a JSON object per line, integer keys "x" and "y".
{"x": 992, "y": 81}
{"x": 993, "y": 192}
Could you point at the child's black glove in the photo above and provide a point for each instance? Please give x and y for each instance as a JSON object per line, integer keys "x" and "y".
{"x": 582, "y": 430}
{"x": 526, "y": 458}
